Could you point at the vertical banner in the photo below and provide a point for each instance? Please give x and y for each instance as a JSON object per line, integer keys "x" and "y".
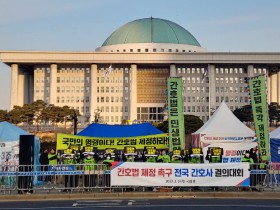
{"x": 257, "y": 86}
{"x": 175, "y": 114}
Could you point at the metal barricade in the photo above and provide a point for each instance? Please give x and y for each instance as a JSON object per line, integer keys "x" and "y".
{"x": 96, "y": 178}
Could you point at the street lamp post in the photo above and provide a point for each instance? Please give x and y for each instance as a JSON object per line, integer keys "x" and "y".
{"x": 75, "y": 120}
{"x": 97, "y": 115}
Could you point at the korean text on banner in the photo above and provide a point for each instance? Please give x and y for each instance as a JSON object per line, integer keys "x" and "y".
{"x": 257, "y": 87}
{"x": 160, "y": 141}
{"x": 175, "y": 113}
{"x": 174, "y": 174}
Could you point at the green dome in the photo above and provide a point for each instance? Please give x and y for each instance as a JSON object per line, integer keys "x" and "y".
{"x": 151, "y": 30}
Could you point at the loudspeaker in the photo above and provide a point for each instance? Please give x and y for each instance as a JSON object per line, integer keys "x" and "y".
{"x": 26, "y": 162}
{"x": 26, "y": 149}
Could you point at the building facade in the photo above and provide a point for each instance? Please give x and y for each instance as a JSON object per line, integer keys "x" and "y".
{"x": 126, "y": 78}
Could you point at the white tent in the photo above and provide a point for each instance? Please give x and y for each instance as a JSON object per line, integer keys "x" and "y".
{"x": 224, "y": 130}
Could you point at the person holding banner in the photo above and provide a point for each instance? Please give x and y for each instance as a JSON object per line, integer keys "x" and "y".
{"x": 249, "y": 160}
{"x": 89, "y": 162}
{"x": 69, "y": 160}
{"x": 196, "y": 156}
{"x": 108, "y": 159}
{"x": 176, "y": 157}
{"x": 163, "y": 158}
{"x": 149, "y": 155}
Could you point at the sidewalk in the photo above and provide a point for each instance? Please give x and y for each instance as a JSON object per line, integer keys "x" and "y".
{"x": 141, "y": 195}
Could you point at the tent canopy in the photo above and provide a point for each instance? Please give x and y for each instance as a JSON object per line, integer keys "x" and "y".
{"x": 225, "y": 123}
{"x": 103, "y": 130}
{"x": 10, "y": 132}
{"x": 275, "y": 134}
{"x": 275, "y": 145}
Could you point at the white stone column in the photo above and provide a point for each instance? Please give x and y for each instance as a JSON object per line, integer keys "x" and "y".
{"x": 53, "y": 83}
{"x": 250, "y": 70}
{"x": 93, "y": 91}
{"x": 172, "y": 70}
{"x": 133, "y": 93}
{"x": 273, "y": 87}
{"x": 268, "y": 86}
{"x": 14, "y": 86}
{"x": 212, "y": 88}
{"x": 278, "y": 87}
{"x": 21, "y": 92}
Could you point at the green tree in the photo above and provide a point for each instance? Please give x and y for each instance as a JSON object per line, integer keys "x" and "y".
{"x": 244, "y": 113}
{"x": 192, "y": 123}
{"x": 3, "y": 115}
{"x": 274, "y": 113}
{"x": 15, "y": 116}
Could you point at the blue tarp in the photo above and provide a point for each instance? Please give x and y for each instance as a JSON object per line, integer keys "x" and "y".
{"x": 104, "y": 130}
{"x": 275, "y": 150}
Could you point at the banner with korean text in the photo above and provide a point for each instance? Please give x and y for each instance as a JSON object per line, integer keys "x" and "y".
{"x": 64, "y": 141}
{"x": 9, "y": 153}
{"x": 257, "y": 87}
{"x": 175, "y": 113}
{"x": 174, "y": 174}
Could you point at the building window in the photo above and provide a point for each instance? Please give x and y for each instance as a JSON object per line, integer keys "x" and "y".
{"x": 138, "y": 50}
{"x": 107, "y": 99}
{"x": 58, "y": 79}
{"x": 154, "y": 50}
{"x": 58, "y": 89}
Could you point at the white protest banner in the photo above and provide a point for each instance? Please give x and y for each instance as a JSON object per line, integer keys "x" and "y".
{"x": 9, "y": 152}
{"x": 236, "y": 149}
{"x": 173, "y": 174}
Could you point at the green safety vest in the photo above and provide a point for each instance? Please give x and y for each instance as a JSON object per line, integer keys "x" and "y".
{"x": 70, "y": 161}
{"x": 89, "y": 164}
{"x": 107, "y": 166}
{"x": 54, "y": 161}
{"x": 127, "y": 160}
{"x": 165, "y": 158}
{"x": 151, "y": 159}
{"x": 194, "y": 160}
{"x": 176, "y": 161}
{"x": 215, "y": 159}
{"x": 249, "y": 160}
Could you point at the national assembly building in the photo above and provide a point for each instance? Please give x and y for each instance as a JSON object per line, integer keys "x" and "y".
{"x": 126, "y": 77}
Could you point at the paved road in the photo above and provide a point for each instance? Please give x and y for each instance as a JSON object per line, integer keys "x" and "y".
{"x": 163, "y": 204}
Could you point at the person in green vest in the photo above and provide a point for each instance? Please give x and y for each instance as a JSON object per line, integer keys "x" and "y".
{"x": 89, "y": 162}
{"x": 248, "y": 159}
{"x": 214, "y": 158}
{"x": 70, "y": 181}
{"x": 108, "y": 159}
{"x": 52, "y": 156}
{"x": 176, "y": 157}
{"x": 163, "y": 157}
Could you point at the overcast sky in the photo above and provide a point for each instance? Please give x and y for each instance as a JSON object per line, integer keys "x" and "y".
{"x": 83, "y": 25}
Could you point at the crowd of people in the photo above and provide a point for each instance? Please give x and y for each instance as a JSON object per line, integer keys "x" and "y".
{"x": 90, "y": 160}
